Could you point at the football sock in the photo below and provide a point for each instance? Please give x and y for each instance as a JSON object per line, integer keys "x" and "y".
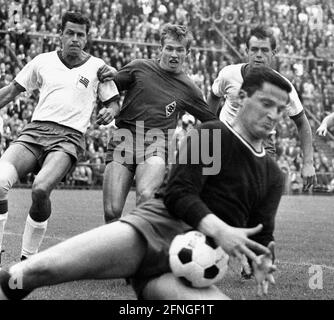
{"x": 32, "y": 236}
{"x": 3, "y": 220}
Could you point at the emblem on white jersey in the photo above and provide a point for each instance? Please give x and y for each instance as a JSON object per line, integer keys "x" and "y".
{"x": 84, "y": 81}
{"x": 170, "y": 108}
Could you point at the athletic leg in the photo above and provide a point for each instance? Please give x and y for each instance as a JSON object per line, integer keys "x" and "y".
{"x": 117, "y": 182}
{"x": 110, "y": 251}
{"x": 149, "y": 177}
{"x": 168, "y": 287}
{"x": 16, "y": 162}
{"x": 55, "y": 166}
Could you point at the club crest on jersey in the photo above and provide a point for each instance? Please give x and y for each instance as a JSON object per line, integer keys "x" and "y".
{"x": 170, "y": 108}
{"x": 84, "y": 81}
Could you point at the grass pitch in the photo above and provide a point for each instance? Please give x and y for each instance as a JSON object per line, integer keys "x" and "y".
{"x": 304, "y": 247}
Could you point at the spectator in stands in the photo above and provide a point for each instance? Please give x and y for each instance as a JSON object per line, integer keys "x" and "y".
{"x": 82, "y": 176}
{"x": 323, "y": 179}
{"x": 296, "y": 182}
{"x": 97, "y": 170}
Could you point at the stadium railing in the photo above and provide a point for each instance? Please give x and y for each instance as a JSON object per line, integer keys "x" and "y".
{"x": 110, "y": 41}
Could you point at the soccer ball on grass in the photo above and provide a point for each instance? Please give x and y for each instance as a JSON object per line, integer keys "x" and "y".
{"x": 197, "y": 260}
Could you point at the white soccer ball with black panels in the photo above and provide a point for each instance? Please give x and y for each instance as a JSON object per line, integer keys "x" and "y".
{"x": 197, "y": 260}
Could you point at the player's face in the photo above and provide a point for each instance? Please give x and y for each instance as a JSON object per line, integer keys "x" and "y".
{"x": 259, "y": 52}
{"x": 263, "y": 109}
{"x": 173, "y": 55}
{"x": 74, "y": 38}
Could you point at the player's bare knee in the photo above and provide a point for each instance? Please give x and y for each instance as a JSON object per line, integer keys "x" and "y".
{"x": 144, "y": 195}
{"x": 8, "y": 176}
{"x": 39, "y": 192}
{"x": 3, "y": 189}
{"x": 112, "y": 213}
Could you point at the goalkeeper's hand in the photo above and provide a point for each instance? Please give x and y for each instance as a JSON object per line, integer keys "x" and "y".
{"x": 263, "y": 272}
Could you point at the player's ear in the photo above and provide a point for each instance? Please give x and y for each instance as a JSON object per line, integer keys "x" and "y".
{"x": 242, "y": 94}
{"x": 89, "y": 36}
{"x": 60, "y": 35}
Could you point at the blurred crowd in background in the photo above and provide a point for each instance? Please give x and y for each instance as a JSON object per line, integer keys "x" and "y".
{"x": 123, "y": 30}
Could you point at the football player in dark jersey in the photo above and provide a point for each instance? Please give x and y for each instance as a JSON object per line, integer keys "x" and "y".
{"x": 326, "y": 123}
{"x": 235, "y": 205}
{"x": 156, "y": 92}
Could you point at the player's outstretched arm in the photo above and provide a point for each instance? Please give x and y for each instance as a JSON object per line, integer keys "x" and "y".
{"x": 108, "y": 113}
{"x": 235, "y": 241}
{"x": 327, "y": 122}
{"x": 106, "y": 73}
{"x": 305, "y": 134}
{"x": 214, "y": 102}
{"x": 8, "y": 93}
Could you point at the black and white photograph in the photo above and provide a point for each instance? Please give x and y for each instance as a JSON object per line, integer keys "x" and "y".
{"x": 158, "y": 150}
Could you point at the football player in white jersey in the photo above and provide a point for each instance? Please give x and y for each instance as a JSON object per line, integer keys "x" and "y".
{"x": 261, "y": 47}
{"x": 49, "y": 145}
{"x": 326, "y": 123}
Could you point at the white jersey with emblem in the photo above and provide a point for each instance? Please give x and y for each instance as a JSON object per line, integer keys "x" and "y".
{"x": 228, "y": 84}
{"x": 67, "y": 95}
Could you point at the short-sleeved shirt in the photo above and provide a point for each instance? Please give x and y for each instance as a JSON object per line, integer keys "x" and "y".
{"x": 243, "y": 191}
{"x": 67, "y": 95}
{"x": 155, "y": 96}
{"x": 228, "y": 84}
{"x": 242, "y": 186}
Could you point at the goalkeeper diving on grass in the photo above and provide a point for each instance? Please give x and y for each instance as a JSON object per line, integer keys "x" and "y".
{"x": 234, "y": 202}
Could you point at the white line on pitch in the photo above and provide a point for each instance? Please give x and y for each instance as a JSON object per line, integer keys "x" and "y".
{"x": 307, "y": 264}
{"x": 45, "y": 237}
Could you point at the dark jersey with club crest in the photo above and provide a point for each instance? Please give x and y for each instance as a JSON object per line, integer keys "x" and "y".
{"x": 221, "y": 173}
{"x": 155, "y": 96}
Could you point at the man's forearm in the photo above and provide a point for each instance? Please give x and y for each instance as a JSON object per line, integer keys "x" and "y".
{"x": 211, "y": 225}
{"x": 305, "y": 135}
{"x": 115, "y": 107}
{"x": 329, "y": 120}
{"x": 7, "y": 94}
{"x": 213, "y": 102}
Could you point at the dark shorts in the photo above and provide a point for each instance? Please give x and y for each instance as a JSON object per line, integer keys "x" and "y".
{"x": 42, "y": 137}
{"x": 130, "y": 149}
{"x": 158, "y": 228}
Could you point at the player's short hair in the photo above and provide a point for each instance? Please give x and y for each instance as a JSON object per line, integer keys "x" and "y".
{"x": 176, "y": 32}
{"x": 74, "y": 17}
{"x": 257, "y": 76}
{"x": 262, "y": 32}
